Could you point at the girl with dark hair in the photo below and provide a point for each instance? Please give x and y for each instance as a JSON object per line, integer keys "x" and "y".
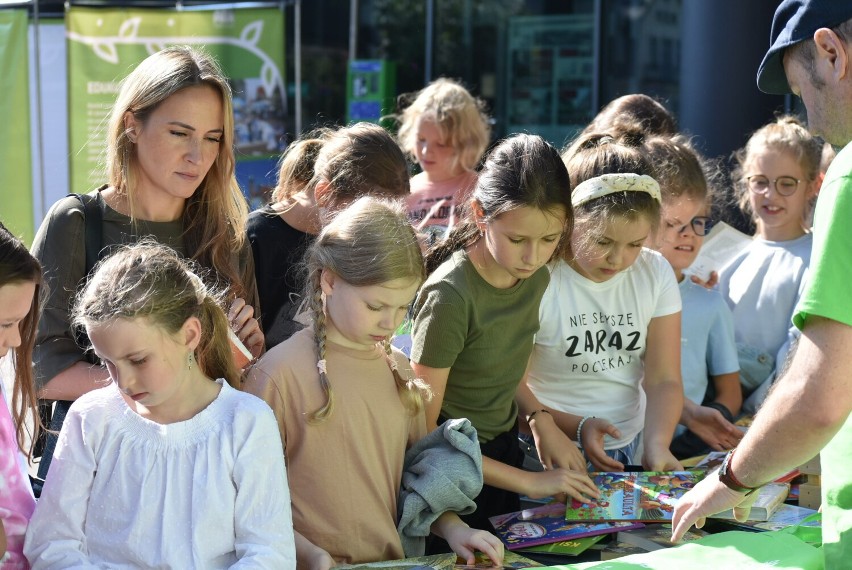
{"x": 477, "y": 314}
{"x": 20, "y": 297}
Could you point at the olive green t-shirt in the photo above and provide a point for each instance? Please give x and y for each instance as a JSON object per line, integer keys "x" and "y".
{"x": 827, "y": 295}
{"x": 483, "y": 334}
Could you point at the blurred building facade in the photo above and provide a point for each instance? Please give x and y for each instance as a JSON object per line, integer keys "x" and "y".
{"x": 547, "y": 66}
{"x": 542, "y": 66}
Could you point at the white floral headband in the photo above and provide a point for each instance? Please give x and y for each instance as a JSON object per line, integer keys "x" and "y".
{"x": 611, "y": 183}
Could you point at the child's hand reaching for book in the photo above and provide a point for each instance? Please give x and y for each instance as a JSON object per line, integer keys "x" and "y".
{"x": 465, "y": 541}
{"x": 660, "y": 459}
{"x": 593, "y": 433}
{"x": 560, "y": 482}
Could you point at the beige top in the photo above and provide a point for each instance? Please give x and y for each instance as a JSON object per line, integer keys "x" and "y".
{"x": 345, "y": 472}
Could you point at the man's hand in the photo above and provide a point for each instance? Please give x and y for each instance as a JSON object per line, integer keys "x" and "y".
{"x": 709, "y": 497}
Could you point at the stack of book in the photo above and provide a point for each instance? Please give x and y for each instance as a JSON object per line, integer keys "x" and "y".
{"x": 769, "y": 498}
{"x": 784, "y": 516}
{"x": 544, "y": 529}
{"x": 627, "y": 501}
{"x": 810, "y": 491}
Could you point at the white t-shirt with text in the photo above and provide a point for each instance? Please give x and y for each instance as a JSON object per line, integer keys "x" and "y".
{"x": 588, "y": 354}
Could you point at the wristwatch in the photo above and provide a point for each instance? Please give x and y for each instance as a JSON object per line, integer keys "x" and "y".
{"x": 726, "y": 476}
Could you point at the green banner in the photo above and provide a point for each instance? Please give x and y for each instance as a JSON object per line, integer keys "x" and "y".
{"x": 104, "y": 45}
{"x": 16, "y": 192}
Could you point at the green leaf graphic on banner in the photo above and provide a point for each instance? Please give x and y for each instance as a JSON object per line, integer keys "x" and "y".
{"x": 251, "y": 33}
{"x": 129, "y": 28}
{"x": 106, "y": 51}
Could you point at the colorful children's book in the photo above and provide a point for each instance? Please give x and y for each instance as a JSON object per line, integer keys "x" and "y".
{"x": 769, "y": 498}
{"x": 656, "y": 536}
{"x": 647, "y": 496}
{"x": 565, "y": 547}
{"x": 545, "y": 525}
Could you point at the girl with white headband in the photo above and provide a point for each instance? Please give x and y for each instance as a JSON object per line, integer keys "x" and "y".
{"x": 606, "y": 360}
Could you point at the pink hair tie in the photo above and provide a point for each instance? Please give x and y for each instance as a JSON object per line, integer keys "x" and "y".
{"x": 321, "y": 367}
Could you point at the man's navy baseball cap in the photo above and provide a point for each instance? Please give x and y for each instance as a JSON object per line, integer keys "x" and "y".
{"x": 796, "y": 21}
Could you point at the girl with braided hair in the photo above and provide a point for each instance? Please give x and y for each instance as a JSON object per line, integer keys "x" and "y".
{"x": 346, "y": 402}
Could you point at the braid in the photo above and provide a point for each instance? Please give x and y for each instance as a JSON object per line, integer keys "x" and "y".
{"x": 319, "y": 338}
{"x": 412, "y": 392}
{"x": 369, "y": 243}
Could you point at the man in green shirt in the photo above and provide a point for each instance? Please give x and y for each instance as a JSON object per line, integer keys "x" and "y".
{"x": 808, "y": 411}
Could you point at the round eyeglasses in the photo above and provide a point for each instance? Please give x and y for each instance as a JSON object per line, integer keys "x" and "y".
{"x": 701, "y": 225}
{"x": 784, "y": 185}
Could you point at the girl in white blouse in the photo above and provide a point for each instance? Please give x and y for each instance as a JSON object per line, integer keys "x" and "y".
{"x": 164, "y": 467}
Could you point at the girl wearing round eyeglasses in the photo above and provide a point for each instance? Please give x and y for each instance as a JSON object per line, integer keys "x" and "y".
{"x": 777, "y": 176}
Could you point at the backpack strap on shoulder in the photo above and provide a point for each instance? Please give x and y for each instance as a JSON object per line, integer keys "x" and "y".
{"x": 93, "y": 216}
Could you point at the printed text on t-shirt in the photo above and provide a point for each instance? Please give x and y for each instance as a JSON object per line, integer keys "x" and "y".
{"x": 612, "y": 336}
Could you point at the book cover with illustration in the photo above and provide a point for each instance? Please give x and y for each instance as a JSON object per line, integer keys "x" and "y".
{"x": 646, "y": 496}
{"x": 545, "y": 525}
